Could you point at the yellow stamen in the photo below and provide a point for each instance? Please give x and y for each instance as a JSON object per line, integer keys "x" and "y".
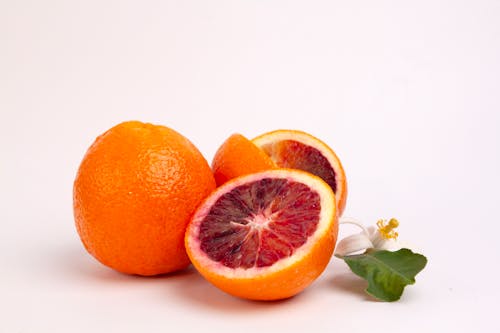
{"x": 387, "y": 230}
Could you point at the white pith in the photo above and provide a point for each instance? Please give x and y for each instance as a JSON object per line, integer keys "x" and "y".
{"x": 325, "y": 224}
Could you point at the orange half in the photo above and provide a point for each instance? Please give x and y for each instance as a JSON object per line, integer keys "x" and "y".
{"x": 264, "y": 236}
{"x": 300, "y": 150}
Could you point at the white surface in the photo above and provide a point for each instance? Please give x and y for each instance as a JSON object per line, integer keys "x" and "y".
{"x": 406, "y": 92}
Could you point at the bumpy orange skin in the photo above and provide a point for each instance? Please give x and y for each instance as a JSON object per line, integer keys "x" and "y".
{"x": 238, "y": 156}
{"x": 133, "y": 195}
{"x": 276, "y": 285}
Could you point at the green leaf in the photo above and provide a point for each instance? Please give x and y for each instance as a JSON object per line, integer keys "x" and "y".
{"x": 387, "y": 273}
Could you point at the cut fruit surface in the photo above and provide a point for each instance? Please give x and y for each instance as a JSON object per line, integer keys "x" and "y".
{"x": 300, "y": 150}
{"x": 266, "y": 235}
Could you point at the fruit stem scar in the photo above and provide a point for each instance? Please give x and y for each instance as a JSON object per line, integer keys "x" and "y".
{"x": 387, "y": 230}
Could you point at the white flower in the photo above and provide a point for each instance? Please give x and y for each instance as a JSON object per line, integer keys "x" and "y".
{"x": 382, "y": 237}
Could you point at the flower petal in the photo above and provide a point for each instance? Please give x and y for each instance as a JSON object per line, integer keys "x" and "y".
{"x": 352, "y": 244}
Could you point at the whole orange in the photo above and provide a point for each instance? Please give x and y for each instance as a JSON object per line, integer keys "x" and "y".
{"x": 133, "y": 195}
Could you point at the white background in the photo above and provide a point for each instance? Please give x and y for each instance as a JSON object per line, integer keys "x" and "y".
{"x": 406, "y": 92}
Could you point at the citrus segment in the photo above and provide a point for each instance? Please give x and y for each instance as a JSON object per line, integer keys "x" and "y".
{"x": 300, "y": 150}
{"x": 134, "y": 193}
{"x": 238, "y": 156}
{"x": 266, "y": 235}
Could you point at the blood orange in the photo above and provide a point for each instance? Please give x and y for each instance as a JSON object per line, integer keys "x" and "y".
{"x": 264, "y": 236}
{"x": 300, "y": 150}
